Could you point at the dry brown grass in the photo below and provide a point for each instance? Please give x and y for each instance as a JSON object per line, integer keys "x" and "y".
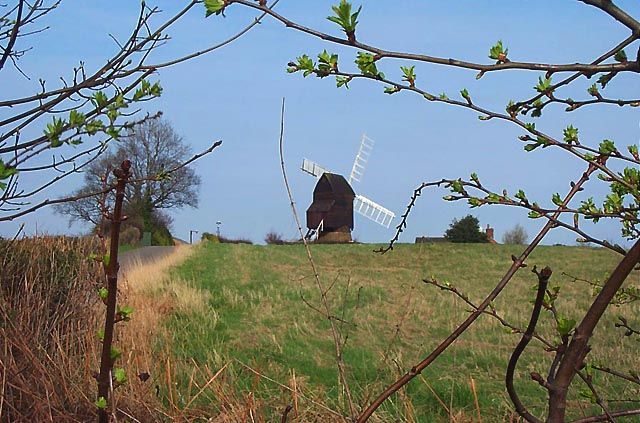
{"x": 47, "y": 298}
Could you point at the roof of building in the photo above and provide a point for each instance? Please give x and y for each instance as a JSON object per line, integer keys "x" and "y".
{"x": 337, "y": 183}
{"x": 321, "y": 205}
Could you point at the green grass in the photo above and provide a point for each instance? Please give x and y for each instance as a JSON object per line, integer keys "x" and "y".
{"x": 256, "y": 315}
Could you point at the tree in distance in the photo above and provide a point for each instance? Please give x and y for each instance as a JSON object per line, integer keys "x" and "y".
{"x": 515, "y": 236}
{"x": 466, "y": 229}
{"x": 152, "y": 147}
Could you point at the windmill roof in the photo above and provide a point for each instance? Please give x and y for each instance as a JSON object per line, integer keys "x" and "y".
{"x": 321, "y": 205}
{"x": 338, "y": 184}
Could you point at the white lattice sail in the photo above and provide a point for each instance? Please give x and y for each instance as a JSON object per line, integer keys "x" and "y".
{"x": 359, "y": 164}
{"x": 373, "y": 211}
{"x": 313, "y": 168}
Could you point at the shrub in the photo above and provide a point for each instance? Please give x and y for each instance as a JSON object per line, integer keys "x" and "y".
{"x": 225, "y": 240}
{"x": 516, "y": 236}
{"x": 161, "y": 236}
{"x": 206, "y": 236}
{"x": 274, "y": 238}
{"x": 130, "y": 236}
{"x": 466, "y": 229}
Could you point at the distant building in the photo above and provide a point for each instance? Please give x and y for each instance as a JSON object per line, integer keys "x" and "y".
{"x": 489, "y": 232}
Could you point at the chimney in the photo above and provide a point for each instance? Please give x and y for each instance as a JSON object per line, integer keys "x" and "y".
{"x": 489, "y": 232}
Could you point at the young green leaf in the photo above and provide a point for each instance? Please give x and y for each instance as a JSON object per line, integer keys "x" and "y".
{"x": 544, "y": 86}
{"x": 603, "y": 80}
{"x": 343, "y": 81}
{"x": 457, "y": 187}
{"x": 620, "y": 56}
{"x": 557, "y": 200}
{"x": 607, "y": 147}
{"x": 304, "y": 63}
{"x": 498, "y": 52}
{"x": 214, "y": 6}
{"x": 612, "y": 203}
{"x": 633, "y": 150}
{"x": 475, "y": 202}
{"x": 327, "y": 63}
{"x": 99, "y": 99}
{"x": 409, "y": 75}
{"x": 125, "y": 312}
{"x": 103, "y": 293}
{"x": 520, "y": 195}
{"x": 119, "y": 375}
{"x": 391, "y": 90}
{"x": 565, "y": 326}
{"x": 93, "y": 126}
{"x": 115, "y": 353}
{"x": 101, "y": 403}
{"x": 531, "y": 147}
{"x": 465, "y": 94}
{"x": 534, "y": 214}
{"x": 6, "y": 172}
{"x": 54, "y": 130}
{"x": 367, "y": 65}
{"x": 76, "y": 118}
{"x": 570, "y": 135}
{"x": 345, "y": 18}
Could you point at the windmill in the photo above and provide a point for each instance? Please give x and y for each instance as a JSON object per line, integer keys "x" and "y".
{"x": 330, "y": 215}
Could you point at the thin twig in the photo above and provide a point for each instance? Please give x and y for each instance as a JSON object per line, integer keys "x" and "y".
{"x": 325, "y": 304}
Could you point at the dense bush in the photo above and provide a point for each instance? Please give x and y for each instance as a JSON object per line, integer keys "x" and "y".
{"x": 206, "y": 236}
{"x": 466, "y": 229}
{"x": 161, "y": 236}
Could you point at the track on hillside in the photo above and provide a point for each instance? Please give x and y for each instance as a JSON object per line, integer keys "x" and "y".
{"x": 144, "y": 255}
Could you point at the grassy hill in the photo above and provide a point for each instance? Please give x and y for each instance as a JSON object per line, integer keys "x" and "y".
{"x": 259, "y": 317}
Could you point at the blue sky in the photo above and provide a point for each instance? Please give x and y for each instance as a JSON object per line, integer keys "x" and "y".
{"x": 234, "y": 94}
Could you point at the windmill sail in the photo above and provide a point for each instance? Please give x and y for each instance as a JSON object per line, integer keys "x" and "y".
{"x": 373, "y": 211}
{"x": 313, "y": 168}
{"x": 357, "y": 171}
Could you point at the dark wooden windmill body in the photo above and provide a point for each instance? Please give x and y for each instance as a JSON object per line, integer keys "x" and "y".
{"x": 330, "y": 216}
{"x": 331, "y": 213}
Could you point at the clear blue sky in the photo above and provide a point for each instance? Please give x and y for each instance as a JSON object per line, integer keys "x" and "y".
{"x": 234, "y": 94}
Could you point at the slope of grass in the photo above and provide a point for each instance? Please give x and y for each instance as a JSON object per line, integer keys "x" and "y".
{"x": 260, "y": 314}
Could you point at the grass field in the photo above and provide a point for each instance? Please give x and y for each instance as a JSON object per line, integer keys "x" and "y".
{"x": 253, "y": 319}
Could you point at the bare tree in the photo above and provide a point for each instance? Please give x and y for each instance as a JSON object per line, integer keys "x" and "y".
{"x": 516, "y": 236}
{"x": 614, "y": 165}
{"x": 152, "y": 147}
{"x": 79, "y": 115}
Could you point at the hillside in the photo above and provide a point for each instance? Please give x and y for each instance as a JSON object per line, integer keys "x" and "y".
{"x": 260, "y": 314}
